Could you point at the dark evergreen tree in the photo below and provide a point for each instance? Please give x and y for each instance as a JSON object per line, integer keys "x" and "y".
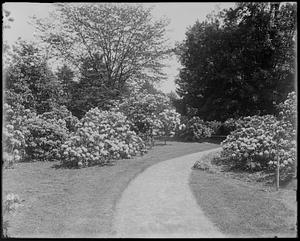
{"x": 239, "y": 62}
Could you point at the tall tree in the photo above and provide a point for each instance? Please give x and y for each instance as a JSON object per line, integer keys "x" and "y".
{"x": 66, "y": 78}
{"x": 91, "y": 90}
{"x": 131, "y": 43}
{"x": 241, "y": 62}
{"x": 29, "y": 81}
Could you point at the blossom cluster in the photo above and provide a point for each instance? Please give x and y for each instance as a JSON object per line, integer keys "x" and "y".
{"x": 150, "y": 114}
{"x": 261, "y": 142}
{"x": 288, "y": 109}
{"x": 45, "y": 139}
{"x": 101, "y": 136}
{"x": 14, "y": 133}
{"x": 168, "y": 122}
{"x": 194, "y": 129}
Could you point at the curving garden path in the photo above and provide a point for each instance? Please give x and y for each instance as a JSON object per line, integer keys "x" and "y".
{"x": 159, "y": 203}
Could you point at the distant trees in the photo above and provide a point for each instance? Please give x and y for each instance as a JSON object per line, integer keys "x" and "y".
{"x": 239, "y": 62}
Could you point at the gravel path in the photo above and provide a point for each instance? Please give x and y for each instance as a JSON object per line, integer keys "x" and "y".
{"x": 159, "y": 203}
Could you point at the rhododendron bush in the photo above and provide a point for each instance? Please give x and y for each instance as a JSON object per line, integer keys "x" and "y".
{"x": 150, "y": 114}
{"x": 194, "y": 129}
{"x": 101, "y": 136}
{"x": 45, "y": 139}
{"x": 14, "y": 133}
{"x": 288, "y": 109}
{"x": 229, "y": 125}
{"x": 62, "y": 113}
{"x": 260, "y": 141}
{"x": 31, "y": 137}
{"x": 215, "y": 126}
{"x": 168, "y": 122}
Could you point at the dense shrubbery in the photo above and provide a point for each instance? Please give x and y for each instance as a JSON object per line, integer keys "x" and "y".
{"x": 168, "y": 122}
{"x": 229, "y": 125}
{"x": 31, "y": 137}
{"x": 215, "y": 126}
{"x": 288, "y": 109}
{"x": 15, "y": 132}
{"x": 259, "y": 141}
{"x": 100, "y": 137}
{"x": 62, "y": 113}
{"x": 194, "y": 129}
{"x": 45, "y": 139}
{"x": 150, "y": 114}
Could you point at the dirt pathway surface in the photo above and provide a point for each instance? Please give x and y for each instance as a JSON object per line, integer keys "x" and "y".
{"x": 159, "y": 203}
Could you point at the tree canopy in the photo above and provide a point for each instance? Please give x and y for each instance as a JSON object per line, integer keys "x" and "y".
{"x": 239, "y": 62}
{"x": 131, "y": 43}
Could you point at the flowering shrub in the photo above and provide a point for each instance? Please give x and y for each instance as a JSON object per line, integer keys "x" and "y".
{"x": 168, "y": 122}
{"x": 147, "y": 113}
{"x": 229, "y": 125}
{"x": 100, "y": 137}
{"x": 9, "y": 206}
{"x": 62, "y": 113}
{"x": 194, "y": 129}
{"x": 288, "y": 109}
{"x": 45, "y": 138}
{"x": 258, "y": 142}
{"x": 14, "y": 133}
{"x": 215, "y": 126}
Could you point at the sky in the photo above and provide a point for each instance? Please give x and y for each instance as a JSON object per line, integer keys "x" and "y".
{"x": 181, "y": 15}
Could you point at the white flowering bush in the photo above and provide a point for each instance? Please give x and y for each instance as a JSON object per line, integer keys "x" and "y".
{"x": 259, "y": 142}
{"x": 101, "y": 136}
{"x": 148, "y": 114}
{"x": 194, "y": 129}
{"x": 168, "y": 122}
{"x": 62, "y": 113}
{"x": 14, "y": 133}
{"x": 288, "y": 109}
{"x": 10, "y": 204}
{"x": 47, "y": 134}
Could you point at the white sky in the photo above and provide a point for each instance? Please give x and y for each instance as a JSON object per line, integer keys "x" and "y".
{"x": 182, "y": 15}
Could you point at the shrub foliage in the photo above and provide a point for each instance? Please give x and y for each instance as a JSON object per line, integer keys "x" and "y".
{"x": 259, "y": 142}
{"x": 101, "y": 136}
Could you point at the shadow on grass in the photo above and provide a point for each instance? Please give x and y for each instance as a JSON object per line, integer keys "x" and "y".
{"x": 68, "y": 166}
{"x": 162, "y": 144}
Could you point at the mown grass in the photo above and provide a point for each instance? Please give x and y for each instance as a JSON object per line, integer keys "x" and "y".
{"x": 240, "y": 207}
{"x": 61, "y": 202}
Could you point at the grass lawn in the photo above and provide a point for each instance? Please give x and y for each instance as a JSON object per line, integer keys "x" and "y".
{"x": 243, "y": 208}
{"x": 77, "y": 202}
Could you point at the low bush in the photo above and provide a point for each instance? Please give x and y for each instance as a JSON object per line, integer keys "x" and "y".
{"x": 288, "y": 109}
{"x": 11, "y": 203}
{"x": 228, "y": 126}
{"x": 150, "y": 114}
{"x": 259, "y": 142}
{"x": 14, "y": 133}
{"x": 193, "y": 129}
{"x": 62, "y": 113}
{"x": 215, "y": 126}
{"x": 101, "y": 136}
{"x": 46, "y": 135}
{"x": 167, "y": 123}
